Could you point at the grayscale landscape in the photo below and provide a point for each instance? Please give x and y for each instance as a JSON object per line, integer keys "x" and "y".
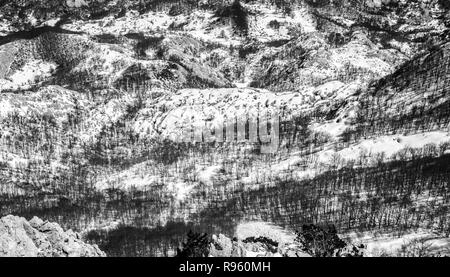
{"x": 220, "y": 128}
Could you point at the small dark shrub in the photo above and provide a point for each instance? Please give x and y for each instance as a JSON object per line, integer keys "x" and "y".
{"x": 324, "y": 242}
{"x": 274, "y": 24}
{"x": 196, "y": 245}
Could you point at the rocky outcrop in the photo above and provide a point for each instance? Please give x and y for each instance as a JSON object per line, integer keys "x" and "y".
{"x": 38, "y": 238}
{"x": 186, "y": 51}
{"x": 222, "y": 246}
{"x": 260, "y": 239}
{"x": 96, "y": 94}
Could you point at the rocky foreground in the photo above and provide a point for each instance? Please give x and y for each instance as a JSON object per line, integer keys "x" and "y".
{"x": 260, "y": 239}
{"x": 95, "y": 96}
{"x": 223, "y": 246}
{"x": 38, "y": 238}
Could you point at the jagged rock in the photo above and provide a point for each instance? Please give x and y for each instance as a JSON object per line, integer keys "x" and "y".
{"x": 222, "y": 246}
{"x": 185, "y": 51}
{"x": 238, "y": 250}
{"x": 292, "y": 251}
{"x": 80, "y": 100}
{"x": 38, "y": 238}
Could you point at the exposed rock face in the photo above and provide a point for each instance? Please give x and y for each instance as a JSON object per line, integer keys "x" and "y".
{"x": 261, "y": 239}
{"x": 94, "y": 96}
{"x": 222, "y": 246}
{"x": 38, "y": 238}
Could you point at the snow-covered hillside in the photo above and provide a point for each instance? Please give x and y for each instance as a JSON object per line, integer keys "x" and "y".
{"x": 95, "y": 96}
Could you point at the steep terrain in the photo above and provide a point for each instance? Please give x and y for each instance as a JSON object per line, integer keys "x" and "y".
{"x": 36, "y": 238}
{"x": 95, "y": 96}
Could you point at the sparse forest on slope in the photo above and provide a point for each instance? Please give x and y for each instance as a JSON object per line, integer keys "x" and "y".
{"x": 94, "y": 96}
